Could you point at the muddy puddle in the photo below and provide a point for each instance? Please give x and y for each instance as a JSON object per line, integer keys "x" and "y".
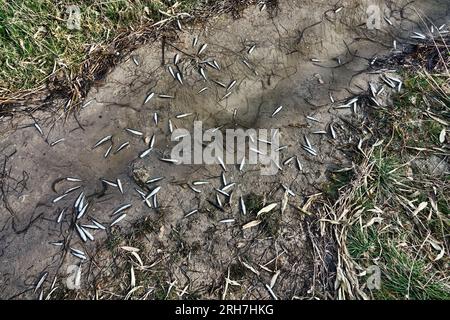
{"x": 295, "y": 56}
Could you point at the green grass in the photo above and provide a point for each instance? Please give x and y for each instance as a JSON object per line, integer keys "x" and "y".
{"x": 35, "y": 39}
{"x": 399, "y": 243}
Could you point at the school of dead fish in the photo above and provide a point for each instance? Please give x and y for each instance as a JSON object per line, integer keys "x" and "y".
{"x": 85, "y": 227}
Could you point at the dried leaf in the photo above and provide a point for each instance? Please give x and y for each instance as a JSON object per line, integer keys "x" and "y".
{"x": 251, "y": 224}
{"x": 266, "y": 209}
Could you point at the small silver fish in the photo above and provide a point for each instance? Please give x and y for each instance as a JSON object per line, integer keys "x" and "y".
{"x": 194, "y": 189}
{"x": 122, "y": 146}
{"x": 287, "y": 161}
{"x": 227, "y": 221}
{"x": 118, "y": 219}
{"x": 179, "y": 79}
{"x": 190, "y": 213}
{"x": 98, "y": 224}
{"x": 225, "y": 96}
{"x": 154, "y": 192}
{"x": 252, "y": 48}
{"x": 194, "y": 41}
{"x": 221, "y": 163}
{"x": 243, "y": 208}
{"x": 299, "y": 164}
{"x": 231, "y": 85}
{"x": 166, "y": 96}
{"x": 110, "y": 183}
{"x": 277, "y": 110}
{"x": 82, "y": 211}
{"x": 203, "y": 74}
{"x": 169, "y": 160}
{"x": 176, "y": 59}
{"x": 59, "y": 198}
{"x": 241, "y": 166}
{"x": 202, "y": 48}
{"x": 121, "y": 208}
{"x": 200, "y": 183}
{"x": 228, "y": 186}
{"x": 135, "y": 132}
{"x": 54, "y": 143}
{"x": 155, "y": 118}
{"x": 87, "y": 234}
{"x": 119, "y": 184}
{"x": 183, "y": 115}
{"x": 202, "y": 90}
{"x": 154, "y": 180}
{"x": 38, "y": 128}
{"x": 149, "y": 97}
{"x": 81, "y": 233}
{"x": 145, "y": 153}
{"x": 60, "y": 216}
{"x": 41, "y": 281}
{"x": 108, "y": 151}
{"x": 101, "y": 141}
{"x": 72, "y": 189}
{"x": 171, "y": 72}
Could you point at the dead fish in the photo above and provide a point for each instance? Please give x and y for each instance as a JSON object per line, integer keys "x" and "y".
{"x": 82, "y": 211}
{"x": 287, "y": 161}
{"x": 90, "y": 226}
{"x": 219, "y": 83}
{"x": 312, "y": 119}
{"x": 221, "y": 163}
{"x": 155, "y": 201}
{"x": 200, "y": 183}
{"x": 228, "y": 186}
{"x": 299, "y": 164}
{"x": 177, "y": 138}
{"x": 112, "y": 184}
{"x": 122, "y": 146}
{"x": 319, "y": 132}
{"x": 119, "y": 184}
{"x": 108, "y": 151}
{"x": 171, "y": 72}
{"x": 241, "y": 166}
{"x": 289, "y": 191}
{"x": 135, "y": 60}
{"x": 178, "y": 77}
{"x": 176, "y": 59}
{"x": 243, "y": 208}
{"x": 166, "y": 96}
{"x": 60, "y": 216}
{"x": 277, "y": 110}
{"x": 145, "y": 153}
{"x": 315, "y": 60}
{"x": 338, "y": 10}
{"x": 270, "y": 289}
{"x": 331, "y": 98}
{"x": 224, "y": 178}
{"x": 86, "y": 104}
{"x": 227, "y": 221}
{"x": 194, "y": 41}
{"x": 155, "y": 118}
{"x": 57, "y": 243}
{"x": 216, "y": 64}
{"x": 222, "y": 192}
{"x": 256, "y": 151}
{"x": 252, "y": 48}
{"x": 202, "y": 48}
{"x": 54, "y": 143}
{"x": 194, "y": 189}
{"x": 231, "y": 85}
{"x": 122, "y": 208}
{"x": 149, "y": 97}
{"x": 169, "y": 160}
{"x": 135, "y": 132}
{"x": 203, "y": 74}
{"x": 80, "y": 256}
{"x": 179, "y": 25}
{"x": 154, "y": 180}
{"x": 78, "y": 200}
{"x": 81, "y": 233}
{"x": 88, "y": 234}
{"x": 170, "y": 126}
{"x": 118, "y": 219}
{"x": 219, "y": 203}
{"x": 183, "y": 115}
{"x": 281, "y": 148}
{"x": 190, "y": 213}
{"x": 247, "y": 64}
{"x": 309, "y": 150}
{"x": 388, "y": 21}
{"x": 59, "y": 198}
{"x": 225, "y": 96}
{"x": 101, "y": 141}
{"x": 308, "y": 143}
{"x": 98, "y": 224}
{"x": 332, "y": 131}
{"x": 202, "y": 90}
{"x": 154, "y": 192}
{"x": 41, "y": 281}
{"x": 38, "y": 128}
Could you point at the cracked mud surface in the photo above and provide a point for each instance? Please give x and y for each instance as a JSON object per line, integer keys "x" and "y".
{"x": 279, "y": 72}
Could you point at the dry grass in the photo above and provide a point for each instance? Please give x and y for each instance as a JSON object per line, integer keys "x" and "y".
{"x": 392, "y": 211}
